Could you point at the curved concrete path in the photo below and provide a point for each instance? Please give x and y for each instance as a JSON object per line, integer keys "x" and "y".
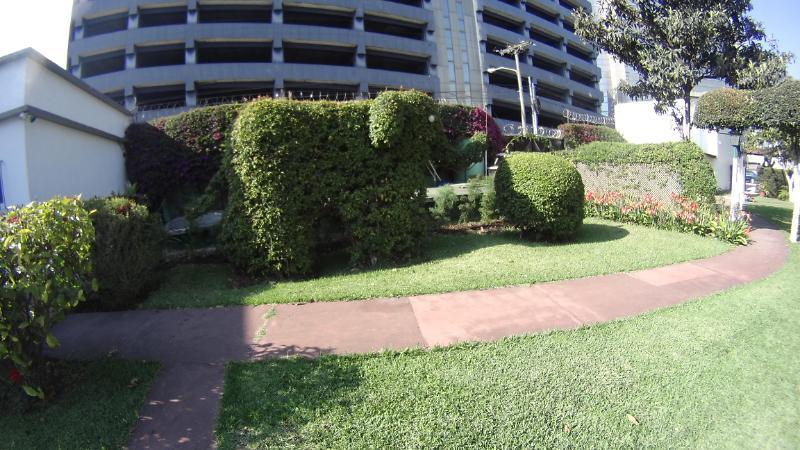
{"x": 194, "y": 344}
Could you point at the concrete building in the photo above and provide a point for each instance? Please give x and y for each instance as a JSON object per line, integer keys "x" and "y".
{"x": 59, "y": 136}
{"x": 168, "y": 55}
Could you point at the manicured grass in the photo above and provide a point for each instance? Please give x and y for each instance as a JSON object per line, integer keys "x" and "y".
{"x": 777, "y": 211}
{"x": 720, "y": 372}
{"x": 452, "y": 263}
{"x": 97, "y": 410}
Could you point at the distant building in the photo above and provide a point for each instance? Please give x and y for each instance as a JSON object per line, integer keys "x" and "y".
{"x": 60, "y": 136}
{"x": 167, "y": 56}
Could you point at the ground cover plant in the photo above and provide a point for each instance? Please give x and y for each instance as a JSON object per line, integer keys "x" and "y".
{"x": 718, "y": 372}
{"x": 96, "y": 407}
{"x": 577, "y": 134}
{"x": 681, "y": 214}
{"x": 451, "y": 262}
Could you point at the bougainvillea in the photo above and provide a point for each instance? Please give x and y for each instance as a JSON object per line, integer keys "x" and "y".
{"x": 461, "y": 123}
{"x": 682, "y": 214}
{"x": 576, "y": 134}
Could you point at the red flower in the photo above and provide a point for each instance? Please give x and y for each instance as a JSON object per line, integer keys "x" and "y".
{"x": 13, "y": 219}
{"x": 217, "y": 136}
{"x": 15, "y": 376}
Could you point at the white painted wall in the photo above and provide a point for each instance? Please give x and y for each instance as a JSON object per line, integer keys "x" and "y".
{"x": 52, "y": 93}
{"x": 43, "y": 158}
{"x": 639, "y": 124}
{"x": 12, "y": 154}
{"x": 63, "y": 161}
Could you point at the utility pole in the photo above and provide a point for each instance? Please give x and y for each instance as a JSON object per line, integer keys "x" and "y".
{"x": 516, "y": 49}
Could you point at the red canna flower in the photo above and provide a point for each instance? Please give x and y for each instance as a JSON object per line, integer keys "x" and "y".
{"x": 15, "y": 376}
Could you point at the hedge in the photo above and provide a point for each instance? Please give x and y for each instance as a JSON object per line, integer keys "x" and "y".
{"x": 685, "y": 159}
{"x": 126, "y": 253}
{"x": 177, "y": 155}
{"x": 576, "y": 134}
{"x": 297, "y": 168}
{"x": 541, "y": 194}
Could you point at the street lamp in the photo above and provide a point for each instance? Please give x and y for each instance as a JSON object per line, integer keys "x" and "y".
{"x": 516, "y": 49}
{"x": 531, "y": 91}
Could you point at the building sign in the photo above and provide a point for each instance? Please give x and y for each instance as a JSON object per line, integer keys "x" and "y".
{"x": 594, "y": 119}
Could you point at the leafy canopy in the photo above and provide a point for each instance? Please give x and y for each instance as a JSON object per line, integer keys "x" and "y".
{"x": 675, "y": 44}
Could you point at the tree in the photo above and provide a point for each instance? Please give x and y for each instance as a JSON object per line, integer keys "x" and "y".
{"x": 778, "y": 108}
{"x": 675, "y": 44}
{"x": 774, "y": 113}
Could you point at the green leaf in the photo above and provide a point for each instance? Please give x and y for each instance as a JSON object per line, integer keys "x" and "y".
{"x": 33, "y": 392}
{"x": 52, "y": 342}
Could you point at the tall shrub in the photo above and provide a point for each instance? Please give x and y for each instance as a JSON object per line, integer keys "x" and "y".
{"x": 44, "y": 265}
{"x": 178, "y": 154}
{"x": 685, "y": 159}
{"x": 294, "y": 164}
{"x": 126, "y": 253}
{"x": 541, "y": 194}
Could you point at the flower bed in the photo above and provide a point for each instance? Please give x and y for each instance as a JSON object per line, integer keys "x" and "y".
{"x": 681, "y": 214}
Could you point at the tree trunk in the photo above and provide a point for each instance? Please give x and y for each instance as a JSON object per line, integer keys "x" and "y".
{"x": 687, "y": 116}
{"x": 794, "y": 234}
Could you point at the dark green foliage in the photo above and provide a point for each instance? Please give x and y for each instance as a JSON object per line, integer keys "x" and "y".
{"x": 724, "y": 109}
{"x": 472, "y": 150}
{"x": 541, "y": 194}
{"x": 178, "y": 155}
{"x": 576, "y": 134}
{"x": 683, "y": 158}
{"x": 461, "y": 124}
{"x": 772, "y": 181}
{"x": 126, "y": 253}
{"x": 296, "y": 165}
{"x": 445, "y": 205}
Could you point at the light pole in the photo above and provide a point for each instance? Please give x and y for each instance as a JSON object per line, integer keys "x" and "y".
{"x": 516, "y": 49}
{"x": 531, "y": 91}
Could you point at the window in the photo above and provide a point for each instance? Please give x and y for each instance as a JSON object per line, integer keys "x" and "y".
{"x": 393, "y": 27}
{"x": 233, "y": 52}
{"x": 544, "y": 38}
{"x": 320, "y": 17}
{"x": 299, "y": 53}
{"x": 156, "y": 17}
{"x": 173, "y": 96}
{"x": 102, "y": 63}
{"x": 105, "y": 25}
{"x": 542, "y": 13}
{"x": 492, "y": 18}
{"x": 234, "y": 14}
{"x": 396, "y": 62}
{"x": 216, "y": 93}
{"x": 160, "y": 55}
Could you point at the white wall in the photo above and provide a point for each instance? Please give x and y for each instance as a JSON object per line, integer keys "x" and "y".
{"x": 63, "y": 161}
{"x": 12, "y": 153}
{"x": 639, "y": 124}
{"x": 12, "y": 78}
{"x": 52, "y": 93}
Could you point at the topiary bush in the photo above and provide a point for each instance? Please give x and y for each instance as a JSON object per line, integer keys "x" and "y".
{"x": 541, "y": 194}
{"x": 45, "y": 265}
{"x": 173, "y": 156}
{"x": 297, "y": 164}
{"x": 685, "y": 159}
{"x": 126, "y": 254}
{"x": 576, "y": 134}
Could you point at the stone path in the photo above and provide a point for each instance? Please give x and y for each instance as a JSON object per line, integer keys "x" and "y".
{"x": 194, "y": 344}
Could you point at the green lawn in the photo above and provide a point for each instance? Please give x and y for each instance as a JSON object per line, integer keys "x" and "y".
{"x": 778, "y": 211}
{"x": 720, "y": 372}
{"x": 97, "y": 410}
{"x": 452, "y": 263}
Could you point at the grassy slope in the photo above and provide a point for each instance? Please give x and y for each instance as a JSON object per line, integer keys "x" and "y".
{"x": 720, "y": 372}
{"x": 98, "y": 411}
{"x": 453, "y": 263}
{"x": 777, "y": 211}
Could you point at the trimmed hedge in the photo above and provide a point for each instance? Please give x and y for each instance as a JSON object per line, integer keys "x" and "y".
{"x": 126, "y": 254}
{"x": 299, "y": 167}
{"x": 541, "y": 194}
{"x": 685, "y": 159}
{"x": 576, "y": 134}
{"x": 177, "y": 155}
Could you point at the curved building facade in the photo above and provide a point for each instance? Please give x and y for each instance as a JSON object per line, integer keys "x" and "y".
{"x": 164, "y": 56}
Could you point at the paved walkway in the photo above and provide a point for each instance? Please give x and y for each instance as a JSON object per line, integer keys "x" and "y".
{"x": 194, "y": 344}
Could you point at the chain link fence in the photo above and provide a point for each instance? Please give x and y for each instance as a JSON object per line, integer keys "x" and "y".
{"x": 631, "y": 180}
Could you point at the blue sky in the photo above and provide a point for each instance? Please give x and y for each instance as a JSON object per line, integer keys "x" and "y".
{"x": 780, "y": 18}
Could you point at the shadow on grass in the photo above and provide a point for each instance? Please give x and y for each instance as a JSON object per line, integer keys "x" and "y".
{"x": 272, "y": 400}
{"x": 771, "y": 217}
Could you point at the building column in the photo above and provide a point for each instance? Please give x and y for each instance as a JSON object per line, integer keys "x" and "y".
{"x": 191, "y": 11}
{"x": 133, "y": 18}
{"x": 358, "y": 20}
{"x": 277, "y": 11}
{"x": 191, "y": 53}
{"x": 130, "y": 57}
{"x": 191, "y": 94}
{"x": 77, "y": 29}
{"x": 277, "y": 50}
{"x": 130, "y": 98}
{"x": 361, "y": 55}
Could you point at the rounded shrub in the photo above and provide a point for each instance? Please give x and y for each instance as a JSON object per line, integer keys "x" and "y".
{"x": 541, "y": 194}
{"x": 126, "y": 253}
